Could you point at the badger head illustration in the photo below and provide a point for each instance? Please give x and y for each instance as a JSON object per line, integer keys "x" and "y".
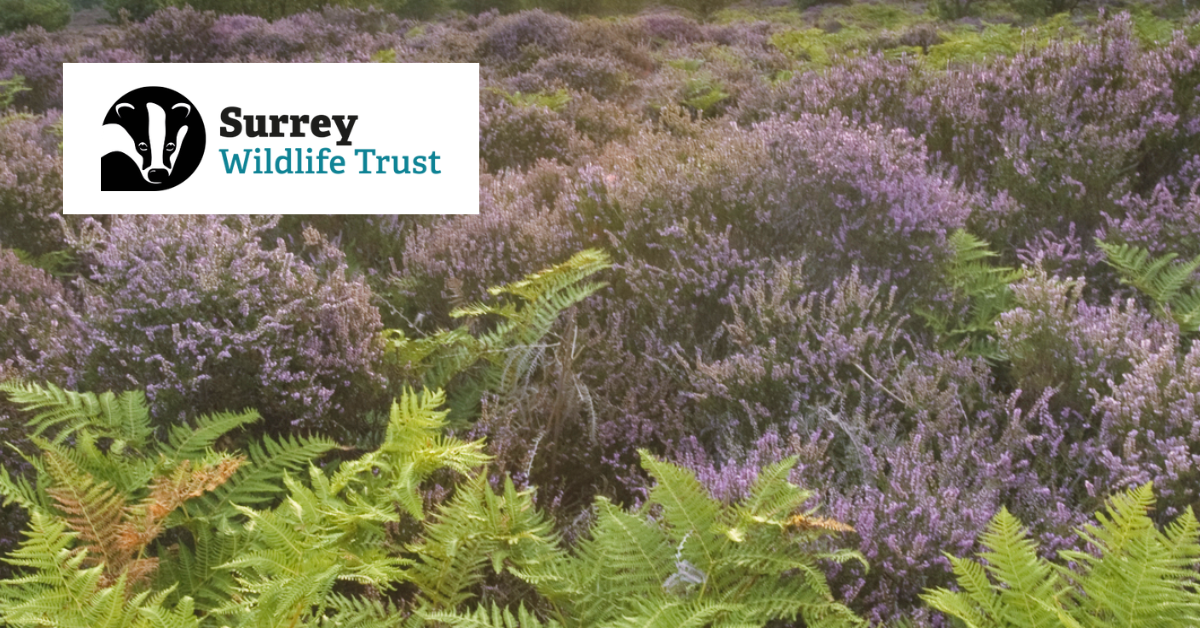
{"x": 163, "y": 138}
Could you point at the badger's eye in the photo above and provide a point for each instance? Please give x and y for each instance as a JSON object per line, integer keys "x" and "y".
{"x": 170, "y": 147}
{"x": 142, "y": 147}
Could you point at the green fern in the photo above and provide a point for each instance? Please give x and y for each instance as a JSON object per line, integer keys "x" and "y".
{"x": 510, "y": 350}
{"x": 491, "y": 617}
{"x": 332, "y": 530}
{"x": 1170, "y": 284}
{"x": 105, "y": 476}
{"x": 697, "y": 562}
{"x": 553, "y": 101}
{"x": 981, "y": 290}
{"x": 1135, "y": 576}
{"x": 59, "y": 590}
{"x": 9, "y": 88}
{"x": 478, "y": 529}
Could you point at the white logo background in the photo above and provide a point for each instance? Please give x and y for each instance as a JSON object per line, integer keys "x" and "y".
{"x": 402, "y": 109}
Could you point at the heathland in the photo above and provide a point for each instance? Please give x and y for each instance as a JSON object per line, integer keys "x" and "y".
{"x": 772, "y": 315}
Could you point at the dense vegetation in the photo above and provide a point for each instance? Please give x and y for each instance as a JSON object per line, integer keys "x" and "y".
{"x": 940, "y": 271}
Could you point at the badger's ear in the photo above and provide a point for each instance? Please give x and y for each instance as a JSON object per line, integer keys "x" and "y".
{"x": 187, "y": 108}
{"x": 114, "y": 115}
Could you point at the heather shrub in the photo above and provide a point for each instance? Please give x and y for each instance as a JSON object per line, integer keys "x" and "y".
{"x": 441, "y": 43}
{"x": 600, "y": 121}
{"x": 1056, "y": 342}
{"x": 1144, "y": 430}
{"x": 51, "y": 15}
{"x": 664, "y": 28}
{"x": 596, "y": 37}
{"x": 520, "y": 227}
{"x": 819, "y": 187}
{"x": 30, "y": 183}
{"x": 176, "y": 35}
{"x": 41, "y": 333}
{"x": 914, "y": 473}
{"x": 331, "y": 34}
{"x": 515, "y": 136}
{"x": 203, "y": 316}
{"x": 37, "y": 57}
{"x": 511, "y": 36}
{"x": 1159, "y": 222}
{"x": 602, "y": 76}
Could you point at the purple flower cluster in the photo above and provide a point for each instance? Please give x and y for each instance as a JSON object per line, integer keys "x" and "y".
{"x": 41, "y": 332}
{"x": 30, "y": 184}
{"x": 197, "y": 312}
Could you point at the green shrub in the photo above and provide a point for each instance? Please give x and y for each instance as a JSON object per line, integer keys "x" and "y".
{"x": 1134, "y": 575}
{"x": 950, "y": 9}
{"x": 17, "y": 15}
{"x": 1035, "y": 9}
{"x": 137, "y": 9}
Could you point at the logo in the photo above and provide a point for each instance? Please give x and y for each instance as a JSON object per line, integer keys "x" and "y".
{"x": 154, "y": 141}
{"x": 256, "y": 138}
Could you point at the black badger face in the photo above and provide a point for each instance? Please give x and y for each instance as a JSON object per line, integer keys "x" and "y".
{"x": 157, "y": 130}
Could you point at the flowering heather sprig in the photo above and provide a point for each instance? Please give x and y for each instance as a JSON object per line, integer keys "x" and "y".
{"x": 1055, "y": 341}
{"x": 30, "y": 184}
{"x": 1159, "y": 222}
{"x": 40, "y": 331}
{"x": 196, "y": 312}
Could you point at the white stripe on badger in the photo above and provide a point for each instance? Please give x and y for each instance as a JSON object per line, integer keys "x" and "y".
{"x": 158, "y": 137}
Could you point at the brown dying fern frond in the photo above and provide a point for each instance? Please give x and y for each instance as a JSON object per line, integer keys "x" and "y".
{"x": 91, "y": 508}
{"x": 145, "y": 521}
{"x": 806, "y": 523}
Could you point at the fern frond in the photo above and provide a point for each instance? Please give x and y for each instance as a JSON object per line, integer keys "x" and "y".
{"x": 1012, "y": 558}
{"x": 193, "y": 565}
{"x": 258, "y": 481}
{"x": 688, "y": 508}
{"x": 188, "y": 442}
{"x": 147, "y": 519}
{"x": 94, "y": 510}
{"x": 125, "y": 418}
{"x": 1133, "y": 576}
{"x": 1162, "y": 279}
{"x": 1140, "y": 577}
{"x": 490, "y": 617}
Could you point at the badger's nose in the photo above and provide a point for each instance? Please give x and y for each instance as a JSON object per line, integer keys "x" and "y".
{"x": 157, "y": 175}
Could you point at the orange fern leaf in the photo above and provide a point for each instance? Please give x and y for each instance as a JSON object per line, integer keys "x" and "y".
{"x": 167, "y": 493}
{"x": 805, "y": 523}
{"x": 92, "y": 509}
